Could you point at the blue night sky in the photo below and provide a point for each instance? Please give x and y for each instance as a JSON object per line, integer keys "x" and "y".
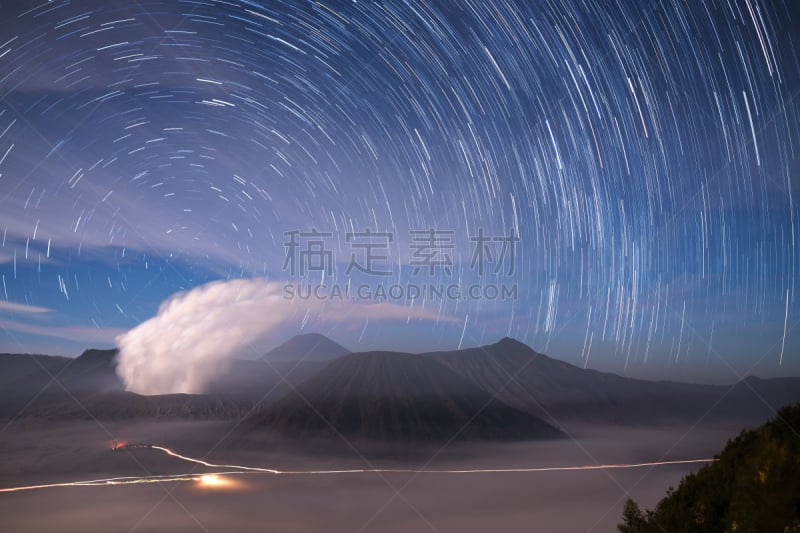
{"x": 645, "y": 153}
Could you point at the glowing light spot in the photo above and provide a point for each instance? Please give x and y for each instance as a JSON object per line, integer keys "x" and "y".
{"x": 211, "y": 480}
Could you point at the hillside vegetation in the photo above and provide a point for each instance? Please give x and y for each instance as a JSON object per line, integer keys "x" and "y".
{"x": 753, "y": 486}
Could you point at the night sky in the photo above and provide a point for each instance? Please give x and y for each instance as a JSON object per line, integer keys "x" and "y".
{"x": 638, "y": 160}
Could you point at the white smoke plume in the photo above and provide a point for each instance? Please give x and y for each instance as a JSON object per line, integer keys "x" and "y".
{"x": 196, "y": 333}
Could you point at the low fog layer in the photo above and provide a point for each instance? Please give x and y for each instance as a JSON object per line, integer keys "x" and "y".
{"x": 543, "y": 501}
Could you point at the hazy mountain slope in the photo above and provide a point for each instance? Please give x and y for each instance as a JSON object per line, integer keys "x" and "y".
{"x": 41, "y": 386}
{"x": 395, "y": 397}
{"x": 267, "y": 380}
{"x": 16, "y": 368}
{"x": 32, "y": 382}
{"x": 127, "y": 405}
{"x": 60, "y": 388}
{"x": 547, "y": 387}
{"x": 93, "y": 371}
{"x": 263, "y": 381}
{"x": 385, "y": 394}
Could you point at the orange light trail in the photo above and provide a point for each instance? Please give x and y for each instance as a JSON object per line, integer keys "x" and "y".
{"x": 126, "y": 480}
{"x": 212, "y": 465}
{"x": 241, "y": 469}
{"x": 431, "y": 471}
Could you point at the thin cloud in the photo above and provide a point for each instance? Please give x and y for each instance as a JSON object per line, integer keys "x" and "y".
{"x": 196, "y": 333}
{"x": 86, "y": 334}
{"x": 13, "y": 307}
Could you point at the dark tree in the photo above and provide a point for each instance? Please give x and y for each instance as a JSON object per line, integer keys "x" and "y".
{"x": 633, "y": 519}
{"x": 752, "y": 486}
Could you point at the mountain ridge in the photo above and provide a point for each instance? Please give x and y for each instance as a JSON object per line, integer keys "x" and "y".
{"x": 508, "y": 370}
{"x": 556, "y": 390}
{"x": 394, "y": 396}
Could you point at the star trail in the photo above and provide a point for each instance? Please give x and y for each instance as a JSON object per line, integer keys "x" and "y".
{"x": 642, "y": 156}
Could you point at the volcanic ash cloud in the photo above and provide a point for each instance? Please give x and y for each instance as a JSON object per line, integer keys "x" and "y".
{"x": 196, "y": 333}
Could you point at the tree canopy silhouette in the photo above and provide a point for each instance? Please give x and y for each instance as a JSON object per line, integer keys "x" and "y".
{"x": 753, "y": 486}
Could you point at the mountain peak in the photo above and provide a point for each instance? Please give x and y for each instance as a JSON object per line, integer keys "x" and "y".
{"x": 311, "y": 336}
{"x": 97, "y": 355}
{"x": 307, "y": 347}
{"x": 511, "y": 343}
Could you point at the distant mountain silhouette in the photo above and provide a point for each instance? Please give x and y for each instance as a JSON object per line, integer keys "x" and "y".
{"x": 17, "y": 369}
{"x": 266, "y": 380}
{"x": 555, "y": 390}
{"x": 307, "y": 347}
{"x": 31, "y": 382}
{"x": 53, "y": 387}
{"x": 93, "y": 371}
{"x": 383, "y": 395}
{"x": 86, "y": 387}
{"x": 389, "y": 396}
